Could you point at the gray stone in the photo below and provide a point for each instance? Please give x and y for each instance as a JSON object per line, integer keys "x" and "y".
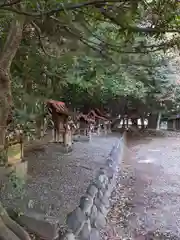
{"x": 100, "y": 206}
{"x": 20, "y": 169}
{"x": 85, "y": 232}
{"x": 109, "y": 162}
{"x": 65, "y": 149}
{"x": 100, "y": 181}
{"x": 97, "y": 202}
{"x": 110, "y": 172}
{"x": 102, "y": 171}
{"x": 112, "y": 181}
{"x": 86, "y": 203}
{"x": 81, "y": 138}
{"x": 94, "y": 235}
{"x": 76, "y": 220}
{"x": 93, "y": 214}
{"x": 68, "y": 236}
{"x": 103, "y": 209}
{"x": 92, "y": 190}
{"x": 100, "y": 194}
{"x": 105, "y": 202}
{"x": 107, "y": 193}
{"x": 113, "y": 150}
{"x": 45, "y": 227}
{"x": 100, "y": 221}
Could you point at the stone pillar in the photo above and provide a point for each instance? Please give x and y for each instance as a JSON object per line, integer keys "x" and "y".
{"x": 98, "y": 129}
{"x": 70, "y": 137}
{"x": 66, "y": 138}
{"x": 105, "y": 128}
{"x": 60, "y": 137}
{"x": 90, "y": 135}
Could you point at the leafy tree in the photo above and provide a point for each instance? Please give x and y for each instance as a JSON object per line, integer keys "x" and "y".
{"x": 32, "y": 33}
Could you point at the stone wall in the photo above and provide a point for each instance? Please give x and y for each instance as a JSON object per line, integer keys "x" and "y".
{"x": 89, "y": 217}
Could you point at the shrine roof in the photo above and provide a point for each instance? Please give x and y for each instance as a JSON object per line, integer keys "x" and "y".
{"x": 85, "y": 117}
{"x": 59, "y": 106}
{"x": 94, "y": 114}
{"x": 99, "y": 113}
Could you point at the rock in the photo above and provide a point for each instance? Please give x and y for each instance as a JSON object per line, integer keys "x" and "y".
{"x": 81, "y": 138}
{"x": 109, "y": 162}
{"x": 92, "y": 190}
{"x": 100, "y": 181}
{"x": 76, "y": 220}
{"x": 93, "y": 214}
{"x": 94, "y": 235}
{"x": 110, "y": 173}
{"x": 45, "y": 227}
{"x": 20, "y": 168}
{"x": 85, "y": 232}
{"x": 105, "y": 202}
{"x": 100, "y": 221}
{"x": 100, "y": 194}
{"x": 86, "y": 203}
{"x": 100, "y": 206}
{"x": 68, "y": 236}
{"x": 107, "y": 193}
{"x": 103, "y": 210}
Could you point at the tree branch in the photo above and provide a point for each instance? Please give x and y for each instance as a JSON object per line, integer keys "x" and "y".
{"x": 134, "y": 28}
{"x": 68, "y": 6}
{"x": 155, "y": 47}
{"x": 8, "y": 4}
{"x": 38, "y": 30}
{"x": 12, "y": 42}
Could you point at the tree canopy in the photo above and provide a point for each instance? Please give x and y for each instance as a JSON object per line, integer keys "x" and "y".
{"x": 117, "y": 55}
{"x": 88, "y": 52}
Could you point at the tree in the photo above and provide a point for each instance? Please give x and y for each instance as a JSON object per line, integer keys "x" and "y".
{"x": 63, "y": 28}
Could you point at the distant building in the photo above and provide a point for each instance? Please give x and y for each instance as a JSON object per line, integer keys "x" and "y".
{"x": 173, "y": 123}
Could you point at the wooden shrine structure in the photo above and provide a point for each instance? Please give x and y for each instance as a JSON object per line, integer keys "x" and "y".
{"x": 62, "y": 131}
{"x": 102, "y": 123}
{"x": 84, "y": 124}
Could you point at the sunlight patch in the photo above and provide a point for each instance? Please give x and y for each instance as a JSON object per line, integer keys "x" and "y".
{"x": 154, "y": 150}
{"x": 149, "y": 160}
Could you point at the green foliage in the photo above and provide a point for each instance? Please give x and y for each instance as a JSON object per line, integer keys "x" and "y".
{"x": 16, "y": 186}
{"x": 104, "y": 51}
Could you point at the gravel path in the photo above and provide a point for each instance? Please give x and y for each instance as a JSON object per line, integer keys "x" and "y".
{"x": 57, "y": 181}
{"x": 146, "y": 201}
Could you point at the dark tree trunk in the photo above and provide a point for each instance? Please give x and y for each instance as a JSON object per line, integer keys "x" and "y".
{"x": 123, "y": 123}
{"x": 134, "y": 122}
{"x": 142, "y": 123}
{"x": 7, "y": 54}
{"x": 152, "y": 121}
{"x": 5, "y": 105}
{"x": 9, "y": 230}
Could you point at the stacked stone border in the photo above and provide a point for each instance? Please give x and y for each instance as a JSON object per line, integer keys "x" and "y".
{"x": 85, "y": 222}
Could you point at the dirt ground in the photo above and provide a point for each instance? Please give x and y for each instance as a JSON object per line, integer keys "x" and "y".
{"x": 146, "y": 199}
{"x": 56, "y": 181}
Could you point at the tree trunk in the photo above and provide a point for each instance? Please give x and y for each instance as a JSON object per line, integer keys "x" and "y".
{"x": 152, "y": 121}
{"x": 142, "y": 123}
{"x": 8, "y": 52}
{"x": 158, "y": 121}
{"x": 123, "y": 122}
{"x": 5, "y": 104}
{"x": 134, "y": 122}
{"x": 9, "y": 229}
